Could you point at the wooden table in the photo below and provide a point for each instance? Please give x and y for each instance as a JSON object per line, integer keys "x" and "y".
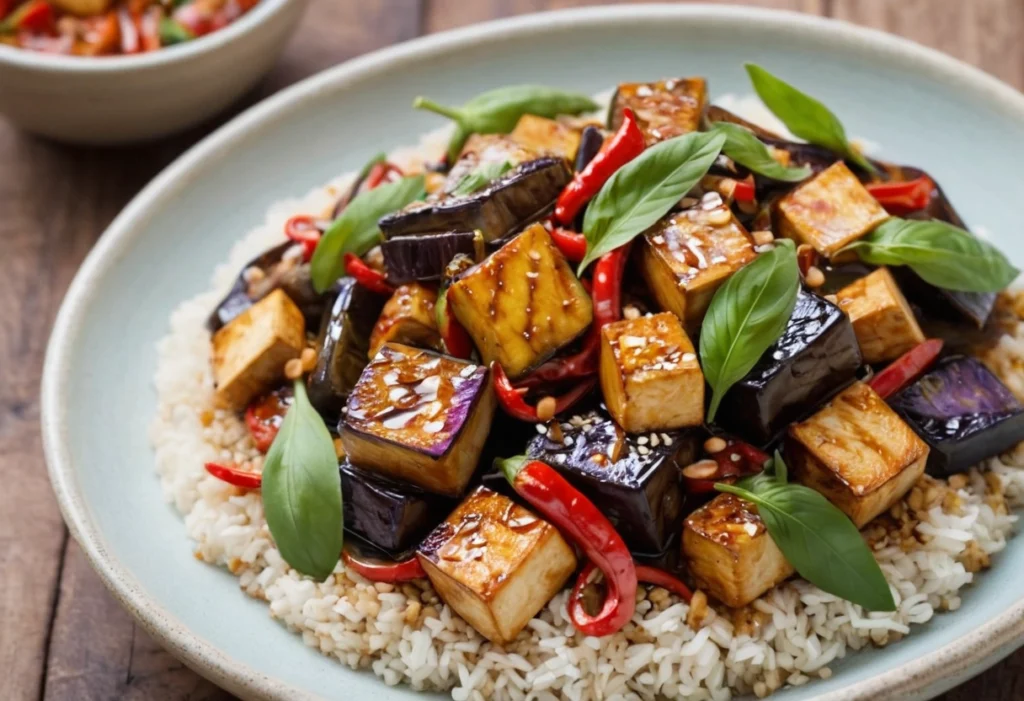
{"x": 62, "y": 636}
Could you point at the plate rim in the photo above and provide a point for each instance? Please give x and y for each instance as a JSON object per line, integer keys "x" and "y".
{"x": 967, "y": 653}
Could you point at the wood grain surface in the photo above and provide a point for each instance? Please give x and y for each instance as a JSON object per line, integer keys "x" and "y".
{"x": 62, "y": 636}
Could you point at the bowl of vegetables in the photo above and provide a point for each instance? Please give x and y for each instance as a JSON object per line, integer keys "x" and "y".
{"x": 118, "y": 71}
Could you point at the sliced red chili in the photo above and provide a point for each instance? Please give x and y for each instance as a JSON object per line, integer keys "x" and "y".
{"x": 35, "y": 16}
{"x": 303, "y": 229}
{"x": 660, "y": 578}
{"x": 366, "y": 276}
{"x": 900, "y": 198}
{"x": 907, "y": 368}
{"x": 263, "y": 417}
{"x": 572, "y": 245}
{"x": 384, "y": 571}
{"x": 454, "y": 335}
{"x": 234, "y": 475}
{"x": 744, "y": 191}
{"x": 511, "y": 398}
{"x": 381, "y": 173}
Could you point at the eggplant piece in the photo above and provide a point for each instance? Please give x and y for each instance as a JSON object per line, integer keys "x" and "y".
{"x": 342, "y": 346}
{"x": 816, "y": 356}
{"x": 408, "y": 317}
{"x": 389, "y": 515}
{"x": 664, "y": 109}
{"x": 632, "y": 478}
{"x": 963, "y": 412}
{"x": 424, "y": 257}
{"x": 523, "y": 195}
{"x": 943, "y": 305}
{"x": 419, "y": 417}
{"x": 591, "y": 141}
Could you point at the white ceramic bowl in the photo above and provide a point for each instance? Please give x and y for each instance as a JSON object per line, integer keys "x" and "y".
{"x": 120, "y": 99}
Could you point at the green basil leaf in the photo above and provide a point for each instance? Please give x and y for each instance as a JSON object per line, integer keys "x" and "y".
{"x": 779, "y": 468}
{"x": 746, "y": 316}
{"x": 497, "y": 111}
{"x": 803, "y": 115}
{"x": 645, "y": 189}
{"x": 302, "y": 491}
{"x": 818, "y": 539}
{"x": 379, "y": 157}
{"x": 746, "y": 149}
{"x": 356, "y": 231}
{"x": 480, "y": 177}
{"x": 172, "y": 31}
{"x": 942, "y": 254}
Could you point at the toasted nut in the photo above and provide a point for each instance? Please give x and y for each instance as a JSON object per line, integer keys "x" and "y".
{"x": 630, "y": 312}
{"x": 308, "y": 359}
{"x": 701, "y": 470}
{"x": 720, "y": 216}
{"x": 546, "y": 408}
{"x": 714, "y": 445}
{"x": 293, "y": 369}
{"x": 815, "y": 278}
{"x": 339, "y": 448}
{"x": 762, "y": 238}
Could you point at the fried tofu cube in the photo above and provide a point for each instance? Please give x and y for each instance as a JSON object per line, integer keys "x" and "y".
{"x": 419, "y": 417}
{"x": 408, "y": 317}
{"x": 650, "y": 375}
{"x": 496, "y": 563}
{"x": 730, "y": 553}
{"x": 882, "y": 318}
{"x": 829, "y": 211}
{"x": 547, "y": 136}
{"x": 250, "y": 351}
{"x": 857, "y": 452}
{"x": 522, "y": 303}
{"x": 686, "y": 257}
{"x": 664, "y": 109}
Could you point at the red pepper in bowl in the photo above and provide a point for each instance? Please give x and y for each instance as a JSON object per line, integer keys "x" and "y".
{"x": 303, "y": 229}
{"x": 572, "y": 245}
{"x": 366, "y": 276}
{"x": 512, "y": 399}
{"x": 900, "y": 198}
{"x": 907, "y": 368}
{"x": 234, "y": 475}
{"x": 382, "y": 570}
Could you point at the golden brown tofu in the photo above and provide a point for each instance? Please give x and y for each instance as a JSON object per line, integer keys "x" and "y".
{"x": 686, "y": 257}
{"x": 250, "y": 351}
{"x": 522, "y": 303}
{"x": 729, "y": 551}
{"x": 420, "y": 417}
{"x": 857, "y": 452}
{"x": 496, "y": 563}
{"x": 829, "y": 211}
{"x": 408, "y": 317}
{"x": 882, "y": 318}
{"x": 546, "y": 136}
{"x": 650, "y": 375}
{"x": 664, "y": 109}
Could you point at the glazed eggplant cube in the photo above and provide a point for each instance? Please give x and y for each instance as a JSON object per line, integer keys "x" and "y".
{"x": 881, "y": 317}
{"x": 687, "y": 256}
{"x": 343, "y": 346}
{"x": 663, "y": 109}
{"x": 944, "y": 305}
{"x": 496, "y": 563}
{"x": 650, "y": 375}
{"x": 523, "y": 195}
{"x": 816, "y": 356}
{"x": 829, "y": 211}
{"x": 408, "y": 318}
{"x": 547, "y": 136}
{"x": 632, "y": 479}
{"x": 387, "y": 514}
{"x": 729, "y": 552}
{"x": 249, "y": 353}
{"x": 522, "y": 303}
{"x": 857, "y": 452}
{"x": 419, "y": 417}
{"x": 424, "y": 257}
{"x": 963, "y": 412}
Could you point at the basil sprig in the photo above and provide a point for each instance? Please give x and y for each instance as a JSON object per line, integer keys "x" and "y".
{"x": 746, "y": 149}
{"x": 818, "y": 539}
{"x": 302, "y": 491}
{"x": 645, "y": 189}
{"x": 803, "y": 115}
{"x": 356, "y": 230}
{"x": 171, "y": 32}
{"x": 497, "y": 111}
{"x": 746, "y": 316}
{"x": 480, "y": 177}
{"x": 942, "y": 254}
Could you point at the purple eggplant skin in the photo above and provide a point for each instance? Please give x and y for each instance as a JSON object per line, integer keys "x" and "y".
{"x": 816, "y": 357}
{"x": 591, "y": 141}
{"x": 342, "y": 346}
{"x": 640, "y": 492}
{"x": 392, "y": 516}
{"x": 424, "y": 257}
{"x": 525, "y": 194}
{"x": 963, "y": 412}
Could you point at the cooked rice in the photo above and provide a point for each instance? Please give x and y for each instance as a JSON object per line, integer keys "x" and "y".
{"x": 930, "y": 545}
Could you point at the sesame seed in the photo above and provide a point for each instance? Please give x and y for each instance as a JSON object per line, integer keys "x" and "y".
{"x": 734, "y": 457}
{"x": 655, "y": 441}
{"x": 433, "y": 426}
{"x": 633, "y": 341}
{"x": 643, "y": 450}
{"x": 666, "y": 439}
{"x": 541, "y": 429}
{"x": 468, "y": 370}
{"x": 642, "y": 440}
{"x": 689, "y": 357}
{"x": 719, "y": 217}
{"x": 815, "y": 278}
{"x": 750, "y": 528}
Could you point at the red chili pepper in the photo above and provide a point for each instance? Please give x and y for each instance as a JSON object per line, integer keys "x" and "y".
{"x": 303, "y": 229}
{"x": 661, "y": 578}
{"x": 5, "y": 8}
{"x": 263, "y": 417}
{"x": 366, "y": 276}
{"x": 234, "y": 475}
{"x": 382, "y": 571}
{"x": 903, "y": 197}
{"x": 572, "y": 245}
{"x": 744, "y": 191}
{"x": 35, "y": 16}
{"x": 148, "y": 24}
{"x": 576, "y": 516}
{"x": 511, "y": 398}
{"x": 627, "y": 144}
{"x": 456, "y": 340}
{"x": 907, "y": 368}
{"x": 379, "y": 174}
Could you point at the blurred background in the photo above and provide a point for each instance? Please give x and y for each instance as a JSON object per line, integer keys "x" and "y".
{"x": 62, "y": 635}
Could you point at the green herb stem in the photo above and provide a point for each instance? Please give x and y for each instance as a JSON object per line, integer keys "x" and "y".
{"x": 422, "y": 103}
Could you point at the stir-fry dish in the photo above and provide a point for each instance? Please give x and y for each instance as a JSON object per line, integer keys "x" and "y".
{"x": 638, "y": 402}
{"x": 110, "y": 27}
